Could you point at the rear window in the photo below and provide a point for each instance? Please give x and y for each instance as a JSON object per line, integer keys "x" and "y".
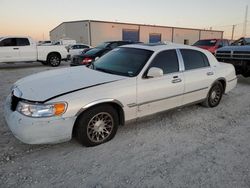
{"x": 194, "y": 59}
{"x": 205, "y": 43}
{"x": 93, "y": 51}
{"x": 22, "y": 42}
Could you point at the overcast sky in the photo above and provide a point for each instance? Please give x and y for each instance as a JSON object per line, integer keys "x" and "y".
{"x": 37, "y": 17}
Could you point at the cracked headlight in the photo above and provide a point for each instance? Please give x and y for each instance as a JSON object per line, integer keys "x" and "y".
{"x": 41, "y": 110}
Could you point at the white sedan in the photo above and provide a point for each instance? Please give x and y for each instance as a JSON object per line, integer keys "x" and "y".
{"x": 129, "y": 82}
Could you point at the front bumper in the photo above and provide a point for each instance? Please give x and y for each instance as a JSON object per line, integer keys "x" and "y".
{"x": 38, "y": 130}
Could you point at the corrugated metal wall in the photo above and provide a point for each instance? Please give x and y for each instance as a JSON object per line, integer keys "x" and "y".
{"x": 95, "y": 32}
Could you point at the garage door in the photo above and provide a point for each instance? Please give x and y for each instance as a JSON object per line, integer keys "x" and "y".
{"x": 131, "y": 35}
{"x": 153, "y": 38}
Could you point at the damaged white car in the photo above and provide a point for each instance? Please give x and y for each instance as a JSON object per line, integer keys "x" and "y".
{"x": 127, "y": 83}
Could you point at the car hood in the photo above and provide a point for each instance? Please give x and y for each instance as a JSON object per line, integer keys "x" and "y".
{"x": 44, "y": 86}
{"x": 233, "y": 48}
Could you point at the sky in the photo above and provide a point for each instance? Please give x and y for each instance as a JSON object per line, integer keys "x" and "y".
{"x": 36, "y": 18}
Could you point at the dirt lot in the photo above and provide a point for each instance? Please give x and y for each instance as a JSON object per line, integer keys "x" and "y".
{"x": 189, "y": 147}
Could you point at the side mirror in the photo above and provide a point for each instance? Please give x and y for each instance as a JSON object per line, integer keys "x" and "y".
{"x": 155, "y": 72}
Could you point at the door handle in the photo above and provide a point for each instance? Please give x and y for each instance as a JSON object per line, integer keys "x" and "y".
{"x": 177, "y": 80}
{"x": 210, "y": 73}
{"x": 15, "y": 48}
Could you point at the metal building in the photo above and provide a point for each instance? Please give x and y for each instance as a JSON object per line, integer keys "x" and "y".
{"x": 93, "y": 32}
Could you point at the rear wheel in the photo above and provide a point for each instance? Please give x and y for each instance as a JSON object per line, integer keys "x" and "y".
{"x": 54, "y": 60}
{"x": 97, "y": 125}
{"x": 214, "y": 95}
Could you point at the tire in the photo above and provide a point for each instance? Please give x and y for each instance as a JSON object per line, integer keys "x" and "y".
{"x": 214, "y": 95}
{"x": 54, "y": 60}
{"x": 97, "y": 125}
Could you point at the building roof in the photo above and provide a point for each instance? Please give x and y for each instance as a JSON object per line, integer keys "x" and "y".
{"x": 134, "y": 24}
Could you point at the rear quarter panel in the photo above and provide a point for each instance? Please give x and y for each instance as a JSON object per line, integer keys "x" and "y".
{"x": 43, "y": 51}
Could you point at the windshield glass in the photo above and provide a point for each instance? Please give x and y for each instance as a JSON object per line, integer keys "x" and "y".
{"x": 123, "y": 61}
{"x": 205, "y": 43}
{"x": 103, "y": 45}
{"x": 247, "y": 41}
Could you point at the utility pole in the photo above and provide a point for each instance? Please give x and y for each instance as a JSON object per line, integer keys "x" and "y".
{"x": 245, "y": 23}
{"x": 232, "y": 38}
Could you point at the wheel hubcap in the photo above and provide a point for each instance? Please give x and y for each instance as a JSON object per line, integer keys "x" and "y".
{"x": 100, "y": 127}
{"x": 54, "y": 60}
{"x": 215, "y": 95}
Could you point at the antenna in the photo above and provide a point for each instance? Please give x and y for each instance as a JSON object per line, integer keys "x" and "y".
{"x": 245, "y": 23}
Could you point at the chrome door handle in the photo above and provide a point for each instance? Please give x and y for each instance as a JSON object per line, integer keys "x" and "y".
{"x": 210, "y": 73}
{"x": 177, "y": 80}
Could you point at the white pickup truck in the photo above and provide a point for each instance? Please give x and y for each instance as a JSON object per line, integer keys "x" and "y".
{"x": 16, "y": 49}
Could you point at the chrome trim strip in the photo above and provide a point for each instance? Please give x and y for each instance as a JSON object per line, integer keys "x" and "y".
{"x": 98, "y": 102}
{"x": 232, "y": 79}
{"x": 156, "y": 100}
{"x": 132, "y": 105}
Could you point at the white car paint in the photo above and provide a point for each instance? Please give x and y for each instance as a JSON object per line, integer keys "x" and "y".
{"x": 82, "y": 88}
{"x": 30, "y": 52}
{"x": 77, "y": 51}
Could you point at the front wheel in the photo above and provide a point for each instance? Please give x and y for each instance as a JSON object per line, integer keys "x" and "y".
{"x": 214, "y": 95}
{"x": 97, "y": 125}
{"x": 54, "y": 60}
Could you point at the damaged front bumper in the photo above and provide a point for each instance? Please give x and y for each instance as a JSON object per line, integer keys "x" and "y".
{"x": 38, "y": 130}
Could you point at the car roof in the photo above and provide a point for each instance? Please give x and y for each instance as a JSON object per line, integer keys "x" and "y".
{"x": 162, "y": 46}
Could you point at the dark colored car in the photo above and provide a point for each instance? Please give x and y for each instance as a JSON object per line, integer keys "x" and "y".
{"x": 211, "y": 44}
{"x": 238, "y": 54}
{"x": 88, "y": 57}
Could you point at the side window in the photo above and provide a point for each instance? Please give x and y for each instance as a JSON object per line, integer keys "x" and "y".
{"x": 194, "y": 59}
{"x": 83, "y": 46}
{"x": 220, "y": 43}
{"x": 22, "y": 42}
{"x": 167, "y": 61}
{"x": 8, "y": 42}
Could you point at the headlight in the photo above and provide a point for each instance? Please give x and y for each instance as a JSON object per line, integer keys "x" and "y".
{"x": 41, "y": 110}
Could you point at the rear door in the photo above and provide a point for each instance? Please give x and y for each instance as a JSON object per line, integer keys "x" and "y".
{"x": 27, "y": 51}
{"x": 162, "y": 93}
{"x": 198, "y": 75}
{"x": 9, "y": 52}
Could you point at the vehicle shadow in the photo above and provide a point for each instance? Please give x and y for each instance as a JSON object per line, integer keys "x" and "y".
{"x": 243, "y": 80}
{"x": 24, "y": 65}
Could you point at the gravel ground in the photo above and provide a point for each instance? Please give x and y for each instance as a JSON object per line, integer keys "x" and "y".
{"x": 188, "y": 147}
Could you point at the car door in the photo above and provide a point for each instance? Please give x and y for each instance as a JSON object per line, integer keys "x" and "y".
{"x": 198, "y": 75}
{"x": 27, "y": 51}
{"x": 9, "y": 52}
{"x": 161, "y": 93}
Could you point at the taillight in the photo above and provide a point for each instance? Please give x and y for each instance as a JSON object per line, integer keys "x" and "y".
{"x": 87, "y": 61}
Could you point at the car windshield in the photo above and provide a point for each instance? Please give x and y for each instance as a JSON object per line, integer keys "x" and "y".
{"x": 205, "y": 43}
{"x": 247, "y": 41}
{"x": 103, "y": 45}
{"x": 123, "y": 61}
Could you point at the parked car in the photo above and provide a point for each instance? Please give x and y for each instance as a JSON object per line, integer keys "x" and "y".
{"x": 211, "y": 44}
{"x": 241, "y": 42}
{"x": 88, "y": 57}
{"x": 237, "y": 54}
{"x": 16, "y": 49}
{"x": 129, "y": 82}
{"x": 77, "y": 49}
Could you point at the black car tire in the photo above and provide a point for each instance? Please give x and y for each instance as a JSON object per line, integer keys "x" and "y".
{"x": 214, "y": 95}
{"x": 44, "y": 62}
{"x": 54, "y": 59}
{"x": 97, "y": 125}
